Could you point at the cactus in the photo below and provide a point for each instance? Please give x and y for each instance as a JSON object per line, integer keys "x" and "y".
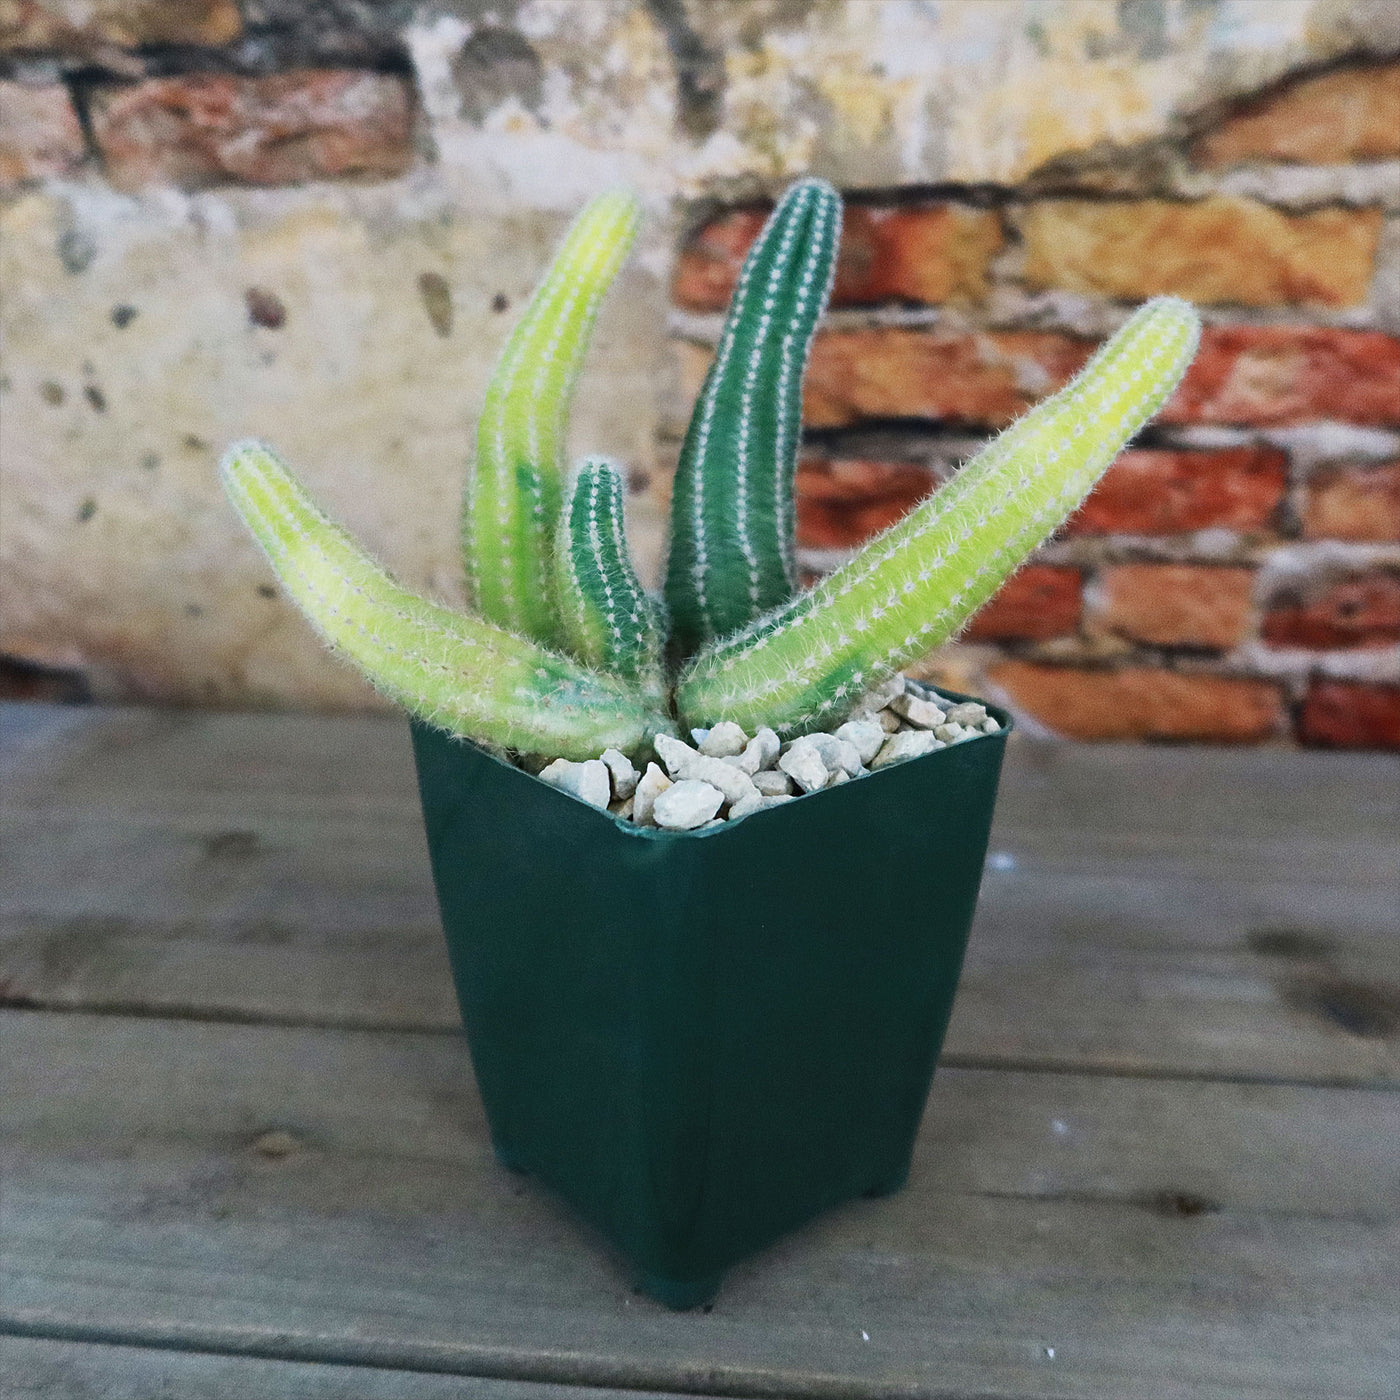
{"x": 547, "y": 560}
{"x": 513, "y": 492}
{"x": 461, "y": 673}
{"x": 732, "y": 555}
{"x": 609, "y": 620}
{"x": 914, "y": 586}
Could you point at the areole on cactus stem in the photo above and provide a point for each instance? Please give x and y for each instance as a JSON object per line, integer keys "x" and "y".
{"x": 564, "y": 653}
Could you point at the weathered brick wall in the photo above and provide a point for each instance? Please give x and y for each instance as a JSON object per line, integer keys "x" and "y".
{"x": 312, "y": 221}
{"x": 1236, "y": 576}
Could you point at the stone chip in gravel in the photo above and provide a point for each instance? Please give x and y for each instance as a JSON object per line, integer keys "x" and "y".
{"x": 652, "y": 784}
{"x": 624, "y": 775}
{"x": 922, "y": 714}
{"x": 911, "y": 743}
{"x": 837, "y": 754}
{"x": 803, "y": 764}
{"x": 967, "y": 712}
{"x": 588, "y": 780}
{"x": 949, "y": 733}
{"x": 686, "y": 805}
{"x": 775, "y": 783}
{"x": 889, "y": 721}
{"x": 752, "y": 803}
{"x": 863, "y": 735}
{"x": 683, "y": 762}
{"x": 759, "y": 753}
{"x": 724, "y": 741}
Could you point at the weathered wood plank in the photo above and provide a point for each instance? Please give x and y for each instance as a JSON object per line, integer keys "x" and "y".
{"x": 39, "y": 1369}
{"x": 1168, "y": 1238}
{"x": 1183, "y": 912}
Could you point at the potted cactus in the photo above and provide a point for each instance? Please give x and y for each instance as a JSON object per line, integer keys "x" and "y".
{"x": 703, "y": 1030}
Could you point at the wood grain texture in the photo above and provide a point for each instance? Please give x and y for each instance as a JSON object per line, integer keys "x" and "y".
{"x": 41, "y": 1369}
{"x": 1222, "y": 913}
{"x": 1172, "y": 1238}
{"x": 241, "y": 1149}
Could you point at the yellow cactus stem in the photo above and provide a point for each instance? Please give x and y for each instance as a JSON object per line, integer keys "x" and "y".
{"x": 514, "y": 488}
{"x": 913, "y": 587}
{"x": 462, "y": 674}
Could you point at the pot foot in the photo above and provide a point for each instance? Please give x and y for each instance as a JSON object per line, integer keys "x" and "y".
{"x": 679, "y": 1294}
{"x": 888, "y": 1187}
{"x": 509, "y": 1160}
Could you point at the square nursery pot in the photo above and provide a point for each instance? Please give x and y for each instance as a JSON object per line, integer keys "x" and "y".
{"x": 701, "y": 1040}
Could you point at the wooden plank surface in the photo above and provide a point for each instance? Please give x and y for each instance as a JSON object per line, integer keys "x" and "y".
{"x": 41, "y": 1369}
{"x": 1160, "y": 1163}
{"x": 1213, "y": 1238}
{"x": 1225, "y": 913}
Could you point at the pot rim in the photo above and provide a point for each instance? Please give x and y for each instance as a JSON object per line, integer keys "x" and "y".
{"x": 655, "y": 833}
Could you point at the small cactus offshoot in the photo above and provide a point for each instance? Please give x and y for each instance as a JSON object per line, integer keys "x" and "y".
{"x": 564, "y": 653}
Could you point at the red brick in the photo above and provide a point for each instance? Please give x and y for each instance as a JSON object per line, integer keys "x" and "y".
{"x": 842, "y": 503}
{"x": 1041, "y": 601}
{"x": 1220, "y": 250}
{"x": 39, "y": 133}
{"x": 1354, "y": 503}
{"x": 1351, "y": 715}
{"x": 1152, "y": 491}
{"x": 1176, "y": 605}
{"x": 988, "y": 378}
{"x": 205, "y": 129}
{"x": 931, "y": 253}
{"x": 1290, "y": 374}
{"x": 77, "y": 26}
{"x": 1143, "y": 703}
{"x": 1351, "y": 114}
{"x": 1353, "y": 612}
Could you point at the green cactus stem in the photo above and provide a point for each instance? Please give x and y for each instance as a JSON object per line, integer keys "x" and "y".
{"x": 514, "y": 488}
{"x": 609, "y": 621}
{"x": 914, "y": 586}
{"x": 460, "y": 673}
{"x": 732, "y": 519}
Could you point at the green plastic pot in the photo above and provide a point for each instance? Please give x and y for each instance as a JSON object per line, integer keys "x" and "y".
{"x": 702, "y": 1040}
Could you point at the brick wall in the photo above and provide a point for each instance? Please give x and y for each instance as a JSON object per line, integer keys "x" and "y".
{"x": 1236, "y": 577}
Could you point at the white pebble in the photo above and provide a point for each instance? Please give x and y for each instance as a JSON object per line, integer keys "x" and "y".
{"x": 967, "y": 712}
{"x": 698, "y": 736}
{"x": 912, "y": 743}
{"x": 623, "y": 808}
{"x": 724, "y": 740}
{"x": 923, "y": 714}
{"x": 864, "y": 735}
{"x": 752, "y": 803}
{"x": 653, "y": 783}
{"x": 838, "y": 755}
{"x": 587, "y": 781}
{"x": 949, "y": 733}
{"x": 990, "y": 726}
{"x": 624, "y": 775}
{"x": 889, "y": 721}
{"x": 778, "y": 799}
{"x": 683, "y": 762}
{"x": 673, "y": 753}
{"x": 759, "y": 753}
{"x": 686, "y": 805}
{"x": 803, "y": 764}
{"x": 774, "y": 783}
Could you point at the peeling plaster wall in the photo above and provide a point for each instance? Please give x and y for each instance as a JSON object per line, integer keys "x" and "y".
{"x": 136, "y": 325}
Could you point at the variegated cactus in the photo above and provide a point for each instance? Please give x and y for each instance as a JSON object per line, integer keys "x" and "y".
{"x": 564, "y": 653}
